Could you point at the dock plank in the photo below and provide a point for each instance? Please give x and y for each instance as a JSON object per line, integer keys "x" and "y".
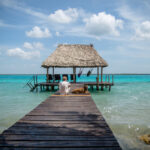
{"x": 61, "y": 122}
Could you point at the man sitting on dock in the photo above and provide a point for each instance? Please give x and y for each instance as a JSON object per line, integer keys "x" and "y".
{"x": 64, "y": 86}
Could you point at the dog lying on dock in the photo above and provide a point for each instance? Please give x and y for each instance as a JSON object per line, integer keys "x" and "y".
{"x": 83, "y": 90}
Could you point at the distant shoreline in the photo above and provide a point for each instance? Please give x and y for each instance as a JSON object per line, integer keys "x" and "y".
{"x": 91, "y": 74}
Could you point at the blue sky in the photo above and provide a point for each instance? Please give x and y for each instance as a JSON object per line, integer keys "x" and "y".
{"x": 30, "y": 31}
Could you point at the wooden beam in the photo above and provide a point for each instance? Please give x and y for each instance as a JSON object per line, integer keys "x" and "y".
{"x": 74, "y": 74}
{"x": 47, "y": 72}
{"x": 53, "y": 75}
{"x": 101, "y": 74}
{"x": 97, "y": 78}
{"x": 102, "y": 78}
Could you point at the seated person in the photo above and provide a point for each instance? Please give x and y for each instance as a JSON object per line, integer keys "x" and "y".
{"x": 64, "y": 86}
{"x": 83, "y": 90}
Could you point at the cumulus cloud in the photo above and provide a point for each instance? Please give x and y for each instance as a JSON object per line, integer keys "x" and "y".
{"x": 64, "y": 16}
{"x": 103, "y": 24}
{"x": 35, "y": 45}
{"x": 143, "y": 31}
{"x": 36, "y": 32}
{"x": 27, "y": 45}
{"x": 23, "y": 54}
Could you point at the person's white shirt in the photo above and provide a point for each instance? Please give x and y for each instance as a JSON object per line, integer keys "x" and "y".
{"x": 64, "y": 87}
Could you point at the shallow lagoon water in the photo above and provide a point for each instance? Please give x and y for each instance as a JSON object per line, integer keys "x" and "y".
{"x": 126, "y": 108}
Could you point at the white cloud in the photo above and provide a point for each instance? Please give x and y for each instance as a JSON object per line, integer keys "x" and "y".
{"x": 23, "y": 54}
{"x": 35, "y": 45}
{"x": 17, "y": 5}
{"x": 36, "y": 32}
{"x": 2, "y": 24}
{"x": 143, "y": 31}
{"x": 38, "y": 45}
{"x": 103, "y": 24}
{"x": 127, "y": 13}
{"x": 64, "y": 16}
{"x": 27, "y": 45}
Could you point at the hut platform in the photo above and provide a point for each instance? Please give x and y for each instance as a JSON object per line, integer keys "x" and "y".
{"x": 51, "y": 85}
{"x": 70, "y": 122}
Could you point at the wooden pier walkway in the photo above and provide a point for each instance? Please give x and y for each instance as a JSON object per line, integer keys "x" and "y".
{"x": 61, "y": 122}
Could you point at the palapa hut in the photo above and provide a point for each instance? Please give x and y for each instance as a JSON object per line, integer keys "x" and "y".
{"x": 75, "y": 55}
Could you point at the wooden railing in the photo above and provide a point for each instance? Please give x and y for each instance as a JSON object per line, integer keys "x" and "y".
{"x": 32, "y": 83}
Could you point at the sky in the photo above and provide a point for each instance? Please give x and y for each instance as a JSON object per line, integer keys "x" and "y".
{"x": 30, "y": 31}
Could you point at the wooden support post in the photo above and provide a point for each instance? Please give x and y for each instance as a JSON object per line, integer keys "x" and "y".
{"x": 52, "y": 87}
{"x": 101, "y": 74}
{"x": 36, "y": 88}
{"x": 97, "y": 78}
{"x": 47, "y": 69}
{"x": 34, "y": 80}
{"x": 109, "y": 88}
{"x": 53, "y": 75}
{"x": 47, "y": 78}
{"x": 74, "y": 74}
{"x": 101, "y": 78}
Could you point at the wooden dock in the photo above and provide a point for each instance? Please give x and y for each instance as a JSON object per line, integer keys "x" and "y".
{"x": 70, "y": 122}
{"x": 53, "y": 85}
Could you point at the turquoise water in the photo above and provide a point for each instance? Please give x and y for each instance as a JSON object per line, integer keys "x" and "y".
{"x": 126, "y": 108}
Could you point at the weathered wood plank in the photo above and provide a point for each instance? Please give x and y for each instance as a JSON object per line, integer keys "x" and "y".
{"x": 59, "y": 132}
{"x": 60, "y": 143}
{"x": 50, "y": 113}
{"x": 15, "y": 137}
{"x": 62, "y": 148}
{"x": 54, "y": 125}
{"x": 67, "y": 117}
{"x": 52, "y": 122}
{"x": 57, "y": 129}
{"x": 61, "y": 122}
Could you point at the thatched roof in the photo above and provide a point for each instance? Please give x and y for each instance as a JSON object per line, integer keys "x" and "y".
{"x": 74, "y": 56}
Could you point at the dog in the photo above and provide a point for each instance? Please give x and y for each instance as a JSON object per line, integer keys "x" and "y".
{"x": 83, "y": 90}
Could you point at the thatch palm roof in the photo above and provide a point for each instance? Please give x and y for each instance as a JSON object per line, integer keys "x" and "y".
{"x": 74, "y": 56}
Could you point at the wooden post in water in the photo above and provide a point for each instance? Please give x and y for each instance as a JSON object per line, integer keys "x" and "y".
{"x": 47, "y": 80}
{"x": 101, "y": 78}
{"x": 36, "y": 83}
{"x": 74, "y": 74}
{"x": 53, "y": 75}
{"x": 34, "y": 79}
{"x": 47, "y": 69}
{"x": 97, "y": 78}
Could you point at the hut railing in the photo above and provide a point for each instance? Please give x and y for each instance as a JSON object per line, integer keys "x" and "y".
{"x": 108, "y": 78}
